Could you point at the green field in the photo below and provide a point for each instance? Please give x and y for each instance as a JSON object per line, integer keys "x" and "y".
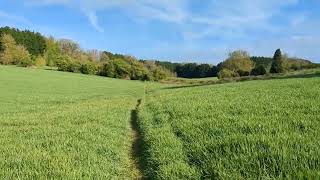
{"x": 251, "y": 130}
{"x": 63, "y": 125}
{"x": 56, "y": 125}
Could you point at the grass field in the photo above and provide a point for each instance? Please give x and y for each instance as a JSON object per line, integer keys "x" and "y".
{"x": 65, "y": 126}
{"x": 56, "y": 125}
{"x": 266, "y": 129}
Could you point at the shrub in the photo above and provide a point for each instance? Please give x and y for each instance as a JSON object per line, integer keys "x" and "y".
{"x": 40, "y": 61}
{"x": 22, "y": 57}
{"x": 138, "y": 71}
{"x": 243, "y": 73}
{"x": 107, "y": 69}
{"x": 122, "y": 68}
{"x": 226, "y": 73}
{"x": 67, "y": 64}
{"x": 89, "y": 68}
{"x": 260, "y": 70}
{"x": 74, "y": 66}
{"x": 63, "y": 64}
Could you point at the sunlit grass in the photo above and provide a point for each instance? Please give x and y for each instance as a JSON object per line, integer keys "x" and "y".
{"x": 65, "y": 126}
{"x": 249, "y": 130}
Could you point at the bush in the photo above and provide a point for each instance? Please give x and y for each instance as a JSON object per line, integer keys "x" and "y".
{"x": 74, "y": 66}
{"x": 63, "y": 64}
{"x": 138, "y": 71}
{"x": 22, "y": 57}
{"x": 260, "y": 70}
{"x": 89, "y": 68}
{"x": 40, "y": 61}
{"x": 122, "y": 69}
{"x": 107, "y": 70}
{"x": 243, "y": 73}
{"x": 69, "y": 65}
{"x": 226, "y": 73}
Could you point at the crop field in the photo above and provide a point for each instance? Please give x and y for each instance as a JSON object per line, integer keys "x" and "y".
{"x": 266, "y": 129}
{"x": 56, "y": 125}
{"x": 65, "y": 126}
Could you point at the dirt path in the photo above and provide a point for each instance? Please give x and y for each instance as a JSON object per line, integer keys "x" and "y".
{"x": 136, "y": 144}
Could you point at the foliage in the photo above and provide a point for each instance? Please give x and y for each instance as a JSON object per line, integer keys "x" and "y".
{"x": 35, "y": 43}
{"x": 52, "y": 53}
{"x": 68, "y": 47}
{"x": 295, "y": 64}
{"x": 110, "y": 65}
{"x": 69, "y": 65}
{"x": 262, "y": 61}
{"x": 189, "y": 70}
{"x": 239, "y": 62}
{"x": 168, "y": 65}
{"x": 22, "y": 57}
{"x": 193, "y": 70}
{"x": 249, "y": 130}
{"x": 8, "y": 46}
{"x": 67, "y": 55}
{"x": 40, "y": 61}
{"x": 291, "y": 64}
{"x": 226, "y": 73}
{"x": 107, "y": 69}
{"x": 121, "y": 68}
{"x": 138, "y": 70}
{"x": 156, "y": 73}
{"x": 89, "y": 68}
{"x": 13, "y": 53}
{"x": 260, "y": 70}
{"x": 278, "y": 64}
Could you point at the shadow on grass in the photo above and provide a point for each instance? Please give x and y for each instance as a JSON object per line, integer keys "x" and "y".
{"x": 247, "y": 78}
{"x": 137, "y": 148}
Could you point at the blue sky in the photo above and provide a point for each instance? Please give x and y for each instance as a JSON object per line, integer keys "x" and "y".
{"x": 176, "y": 30}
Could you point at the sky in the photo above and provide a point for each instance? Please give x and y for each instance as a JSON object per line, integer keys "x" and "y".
{"x": 202, "y": 31}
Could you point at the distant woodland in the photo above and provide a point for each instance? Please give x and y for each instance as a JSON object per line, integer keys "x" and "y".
{"x": 32, "y": 49}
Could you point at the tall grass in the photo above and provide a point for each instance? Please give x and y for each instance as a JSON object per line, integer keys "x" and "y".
{"x": 249, "y": 130}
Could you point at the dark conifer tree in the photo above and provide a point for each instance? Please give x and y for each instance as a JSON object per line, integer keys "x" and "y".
{"x": 277, "y": 63}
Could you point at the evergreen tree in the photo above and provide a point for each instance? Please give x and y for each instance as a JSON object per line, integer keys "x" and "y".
{"x": 277, "y": 63}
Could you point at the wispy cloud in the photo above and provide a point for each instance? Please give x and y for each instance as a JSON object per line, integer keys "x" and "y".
{"x": 236, "y": 23}
{"x": 94, "y": 21}
{"x": 165, "y": 10}
{"x": 220, "y": 17}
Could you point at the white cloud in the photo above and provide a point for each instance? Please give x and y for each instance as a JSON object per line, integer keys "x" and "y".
{"x": 164, "y": 10}
{"x": 219, "y": 16}
{"x": 94, "y": 21}
{"x": 223, "y": 19}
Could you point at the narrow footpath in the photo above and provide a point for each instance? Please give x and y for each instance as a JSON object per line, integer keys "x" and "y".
{"x": 136, "y": 144}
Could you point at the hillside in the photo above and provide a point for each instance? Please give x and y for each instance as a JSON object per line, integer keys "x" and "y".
{"x": 64, "y": 125}
{"x": 249, "y": 130}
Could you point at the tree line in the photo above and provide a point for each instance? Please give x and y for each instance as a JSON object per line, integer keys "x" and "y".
{"x": 240, "y": 63}
{"x": 27, "y": 48}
